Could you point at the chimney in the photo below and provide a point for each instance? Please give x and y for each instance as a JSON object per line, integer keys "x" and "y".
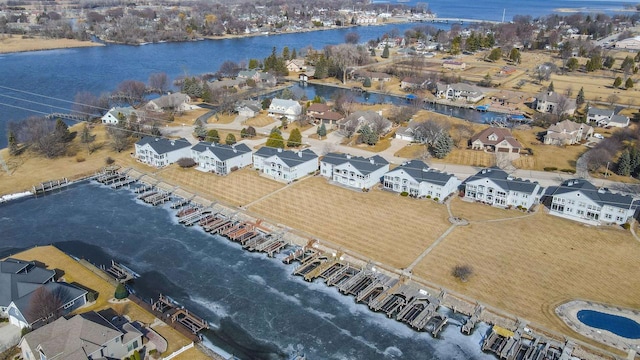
{"x": 279, "y": 150}
{"x": 173, "y": 143}
{"x": 300, "y": 154}
{"x": 371, "y": 161}
{"x": 570, "y": 183}
{"x": 348, "y": 156}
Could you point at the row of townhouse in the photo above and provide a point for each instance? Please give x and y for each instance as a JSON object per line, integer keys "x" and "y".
{"x": 574, "y": 199}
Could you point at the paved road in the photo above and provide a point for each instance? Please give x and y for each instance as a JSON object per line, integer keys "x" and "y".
{"x": 9, "y": 336}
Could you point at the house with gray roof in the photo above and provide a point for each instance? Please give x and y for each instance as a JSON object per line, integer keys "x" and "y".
{"x": 353, "y": 171}
{"x": 115, "y": 114}
{"x": 81, "y": 337}
{"x": 459, "y": 91}
{"x": 495, "y": 187}
{"x": 19, "y": 278}
{"x": 160, "y": 152}
{"x": 552, "y": 102}
{"x": 284, "y": 107}
{"x": 418, "y": 180}
{"x": 286, "y": 165}
{"x": 599, "y": 116}
{"x": 249, "y": 108}
{"x": 174, "y": 102}
{"x": 23, "y": 312}
{"x": 220, "y": 159}
{"x": 580, "y": 200}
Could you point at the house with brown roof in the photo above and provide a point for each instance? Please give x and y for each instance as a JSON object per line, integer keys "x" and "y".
{"x": 496, "y": 140}
{"x": 567, "y": 132}
{"x": 322, "y": 113}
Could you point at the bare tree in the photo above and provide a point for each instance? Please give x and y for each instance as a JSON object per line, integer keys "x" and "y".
{"x": 159, "y": 82}
{"x": 400, "y": 114}
{"x": 613, "y": 99}
{"x": 228, "y": 69}
{"x": 46, "y": 305}
{"x": 597, "y": 158}
{"x": 427, "y": 132}
{"x": 131, "y": 91}
{"x": 462, "y": 272}
{"x": 344, "y": 56}
{"x": 461, "y": 134}
{"x": 89, "y": 105}
{"x": 352, "y": 37}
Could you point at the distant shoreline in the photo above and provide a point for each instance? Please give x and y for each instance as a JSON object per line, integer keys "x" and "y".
{"x": 18, "y": 44}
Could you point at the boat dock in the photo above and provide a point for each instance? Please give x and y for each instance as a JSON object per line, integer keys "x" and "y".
{"x": 120, "y": 272}
{"x": 47, "y": 186}
{"x": 520, "y": 344}
{"x": 471, "y": 322}
{"x": 169, "y": 309}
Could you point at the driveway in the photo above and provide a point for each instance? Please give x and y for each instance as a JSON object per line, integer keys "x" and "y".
{"x": 9, "y": 335}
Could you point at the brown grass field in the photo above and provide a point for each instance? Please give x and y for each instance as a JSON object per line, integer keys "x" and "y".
{"x": 75, "y": 272}
{"x": 528, "y": 266}
{"x": 561, "y": 157}
{"x": 479, "y": 212}
{"x": 379, "y": 225}
{"x": 457, "y": 156}
{"x": 260, "y": 120}
{"x": 238, "y": 188}
{"x": 19, "y": 44}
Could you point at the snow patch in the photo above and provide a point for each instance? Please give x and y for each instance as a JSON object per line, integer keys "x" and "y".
{"x": 19, "y": 195}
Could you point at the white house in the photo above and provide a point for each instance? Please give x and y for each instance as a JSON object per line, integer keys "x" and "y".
{"x": 85, "y": 336}
{"x": 285, "y": 165}
{"x": 497, "y": 188}
{"x": 159, "y": 152}
{"x": 354, "y": 171}
{"x": 550, "y": 102}
{"x": 296, "y": 65}
{"x": 630, "y": 43}
{"x": 22, "y": 314}
{"x": 113, "y": 116}
{"x": 220, "y": 158}
{"x": 249, "y": 108}
{"x": 418, "y": 180}
{"x": 604, "y": 117}
{"x": 283, "y": 107}
{"x": 459, "y": 91}
{"x": 176, "y": 101}
{"x": 579, "y": 200}
{"x": 19, "y": 274}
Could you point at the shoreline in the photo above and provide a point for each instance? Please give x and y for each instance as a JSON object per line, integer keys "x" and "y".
{"x": 14, "y": 45}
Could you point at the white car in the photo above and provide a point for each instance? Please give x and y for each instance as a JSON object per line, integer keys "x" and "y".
{"x": 598, "y": 136}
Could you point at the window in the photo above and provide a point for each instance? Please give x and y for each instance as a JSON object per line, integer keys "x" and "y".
{"x": 68, "y": 305}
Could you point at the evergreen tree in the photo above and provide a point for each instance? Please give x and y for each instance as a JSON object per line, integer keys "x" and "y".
{"x": 284, "y": 122}
{"x": 617, "y": 82}
{"x": 62, "y": 131}
{"x": 317, "y": 100}
{"x": 572, "y": 64}
{"x": 200, "y": 130}
{"x": 121, "y": 292}
{"x": 230, "y": 140}
{"x": 243, "y": 133}
{"x": 608, "y": 62}
{"x": 367, "y": 136}
{"x": 515, "y": 55}
{"x": 275, "y": 140}
{"x": 385, "y": 52}
{"x": 295, "y": 138}
{"x": 443, "y": 146}
{"x": 373, "y": 52}
{"x": 634, "y": 166}
{"x": 495, "y": 54}
{"x": 294, "y": 54}
{"x": 275, "y": 129}
{"x": 254, "y": 64}
{"x": 627, "y": 63}
{"x": 580, "y": 98}
{"x": 628, "y": 84}
{"x": 322, "y": 68}
{"x": 287, "y": 94}
{"x": 266, "y": 103}
{"x": 550, "y": 88}
{"x": 13, "y": 143}
{"x": 624, "y": 163}
{"x": 322, "y": 131}
{"x": 367, "y": 82}
{"x": 285, "y": 53}
{"x": 213, "y": 136}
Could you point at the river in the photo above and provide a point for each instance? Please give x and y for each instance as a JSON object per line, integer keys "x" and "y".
{"x": 258, "y": 309}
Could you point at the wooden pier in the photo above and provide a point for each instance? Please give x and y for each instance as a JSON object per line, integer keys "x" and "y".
{"x": 471, "y": 322}
{"x": 521, "y": 345}
{"x": 48, "y": 186}
{"x": 165, "y": 306}
{"x": 120, "y": 272}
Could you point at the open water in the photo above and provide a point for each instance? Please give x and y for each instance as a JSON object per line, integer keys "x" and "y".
{"x": 258, "y": 309}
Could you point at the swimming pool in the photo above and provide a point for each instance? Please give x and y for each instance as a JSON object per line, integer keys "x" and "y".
{"x": 619, "y": 325}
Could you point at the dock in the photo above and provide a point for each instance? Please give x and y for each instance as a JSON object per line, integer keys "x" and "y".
{"x": 471, "y": 322}
{"x": 522, "y": 345}
{"x": 188, "y": 319}
{"x": 120, "y": 272}
{"x": 48, "y": 186}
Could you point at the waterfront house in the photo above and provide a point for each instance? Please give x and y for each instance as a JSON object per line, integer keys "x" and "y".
{"x": 322, "y": 113}
{"x": 496, "y": 140}
{"x": 409, "y": 83}
{"x": 160, "y": 152}
{"x": 283, "y": 164}
{"x": 221, "y": 159}
{"x": 407, "y": 133}
{"x": 172, "y": 102}
{"x": 580, "y": 200}
{"x": 459, "y": 91}
{"x": 353, "y": 171}
{"x": 117, "y": 114}
{"x": 85, "y": 336}
{"x": 552, "y": 102}
{"x": 24, "y": 312}
{"x": 495, "y": 187}
{"x": 249, "y": 74}
{"x": 17, "y": 277}
{"x": 605, "y": 117}
{"x": 418, "y": 180}
{"x": 567, "y": 132}
{"x": 291, "y": 109}
{"x": 296, "y": 65}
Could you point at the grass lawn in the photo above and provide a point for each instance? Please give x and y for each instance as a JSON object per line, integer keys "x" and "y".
{"x": 261, "y": 120}
{"x": 379, "y": 225}
{"x": 561, "y": 157}
{"x": 238, "y": 188}
{"x": 528, "y": 266}
{"x": 472, "y": 211}
{"x": 189, "y": 117}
